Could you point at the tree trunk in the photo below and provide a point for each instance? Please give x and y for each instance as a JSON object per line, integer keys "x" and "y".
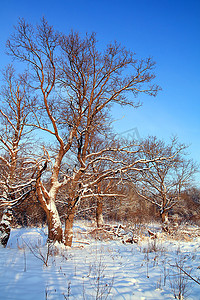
{"x": 55, "y": 232}
{"x": 164, "y": 217}
{"x": 99, "y": 213}
{"x": 54, "y": 223}
{"x": 164, "y": 212}
{"x": 165, "y": 221}
{"x": 5, "y": 226}
{"x": 69, "y": 226}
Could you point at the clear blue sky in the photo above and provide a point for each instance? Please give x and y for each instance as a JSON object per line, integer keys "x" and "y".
{"x": 168, "y": 30}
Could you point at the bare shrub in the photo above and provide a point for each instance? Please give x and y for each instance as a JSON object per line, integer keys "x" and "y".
{"x": 67, "y": 296}
{"x": 179, "y": 281}
{"x": 101, "y": 284}
{"x": 37, "y": 252}
{"x": 154, "y": 246}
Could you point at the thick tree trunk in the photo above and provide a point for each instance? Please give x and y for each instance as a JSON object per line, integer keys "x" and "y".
{"x": 5, "y": 226}
{"x": 165, "y": 221}
{"x": 164, "y": 212}
{"x": 68, "y": 234}
{"x": 164, "y": 217}
{"x": 55, "y": 233}
{"x": 54, "y": 223}
{"x": 99, "y": 213}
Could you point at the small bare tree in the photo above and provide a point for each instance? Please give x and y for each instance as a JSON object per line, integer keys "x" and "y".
{"x": 161, "y": 181}
{"x": 16, "y": 166}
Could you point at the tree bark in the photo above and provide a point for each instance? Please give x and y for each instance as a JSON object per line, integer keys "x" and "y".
{"x": 99, "y": 213}
{"x": 5, "y": 226}
{"x": 55, "y": 232}
{"x": 164, "y": 217}
{"x": 68, "y": 234}
{"x": 165, "y": 221}
{"x": 54, "y": 223}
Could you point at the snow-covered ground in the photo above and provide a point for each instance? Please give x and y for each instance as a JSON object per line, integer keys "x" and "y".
{"x": 93, "y": 269}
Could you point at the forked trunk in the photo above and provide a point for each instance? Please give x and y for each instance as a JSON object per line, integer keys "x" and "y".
{"x": 5, "y": 226}
{"x": 99, "y": 213}
{"x": 69, "y": 227}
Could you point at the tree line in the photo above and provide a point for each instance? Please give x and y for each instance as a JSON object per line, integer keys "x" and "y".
{"x": 57, "y": 145}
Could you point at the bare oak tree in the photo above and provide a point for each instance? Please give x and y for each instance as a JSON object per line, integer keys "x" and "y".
{"x": 76, "y": 85}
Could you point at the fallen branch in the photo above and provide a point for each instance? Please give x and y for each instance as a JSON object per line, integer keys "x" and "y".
{"x": 87, "y": 243}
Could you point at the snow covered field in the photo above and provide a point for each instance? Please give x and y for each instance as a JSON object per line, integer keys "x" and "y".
{"x": 94, "y": 269}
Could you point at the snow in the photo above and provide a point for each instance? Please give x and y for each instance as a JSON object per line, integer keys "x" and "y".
{"x": 94, "y": 269}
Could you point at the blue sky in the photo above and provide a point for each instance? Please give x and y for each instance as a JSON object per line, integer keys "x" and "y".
{"x": 167, "y": 30}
